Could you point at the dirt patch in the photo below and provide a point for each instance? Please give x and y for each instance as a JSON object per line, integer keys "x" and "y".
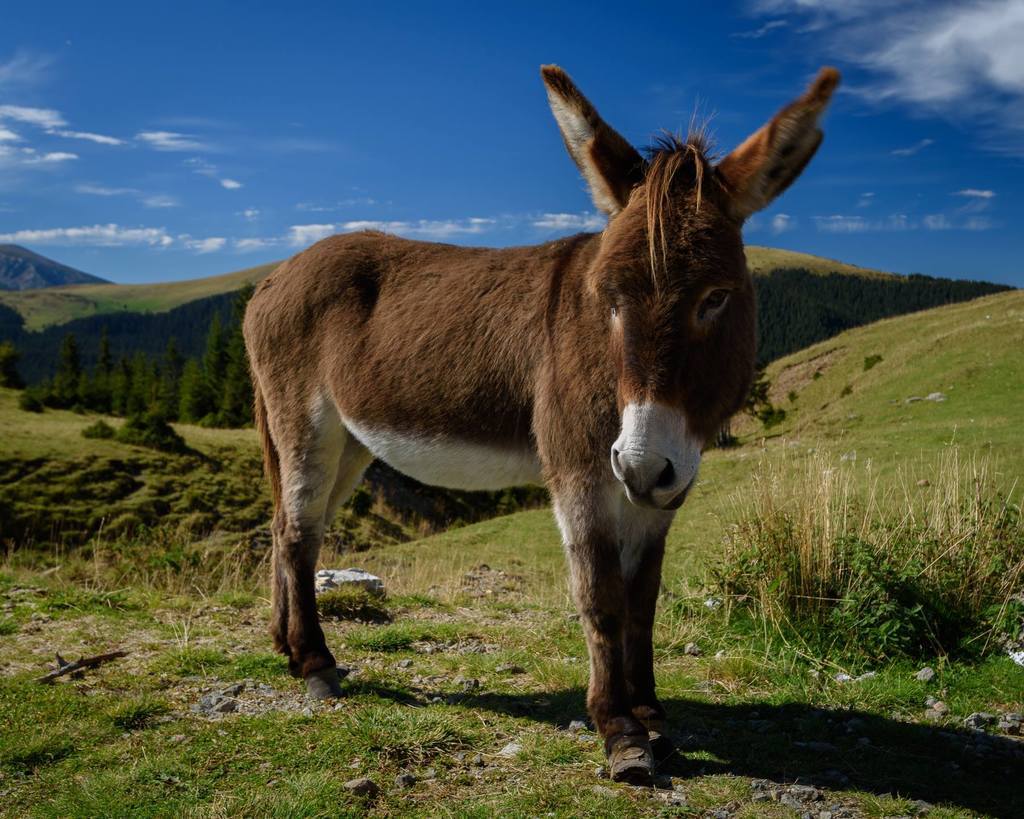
{"x": 797, "y": 376}
{"x": 483, "y": 581}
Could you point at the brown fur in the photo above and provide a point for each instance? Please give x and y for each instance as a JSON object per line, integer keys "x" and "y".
{"x": 526, "y": 350}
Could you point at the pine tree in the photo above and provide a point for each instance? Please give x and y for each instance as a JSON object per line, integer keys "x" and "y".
{"x": 120, "y": 387}
{"x": 9, "y": 376}
{"x": 142, "y": 396}
{"x": 194, "y": 397}
{"x": 215, "y": 359}
{"x": 236, "y": 394}
{"x": 68, "y": 380}
{"x": 170, "y": 381}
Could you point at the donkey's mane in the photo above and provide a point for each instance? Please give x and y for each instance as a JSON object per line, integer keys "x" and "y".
{"x": 670, "y": 156}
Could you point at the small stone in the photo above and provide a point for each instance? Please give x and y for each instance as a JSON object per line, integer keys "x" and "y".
{"x": 405, "y": 780}
{"x": 925, "y": 675}
{"x": 577, "y": 726}
{"x": 510, "y": 668}
{"x": 1011, "y": 723}
{"x": 920, "y": 806}
{"x": 935, "y": 396}
{"x": 363, "y": 786}
{"x": 511, "y": 750}
{"x": 924, "y": 482}
{"x": 842, "y": 678}
{"x": 406, "y": 663}
{"x": 478, "y": 761}
{"x": 601, "y": 772}
{"x": 806, "y": 793}
{"x": 939, "y": 708}
{"x": 692, "y": 649}
{"x": 233, "y": 690}
{"x": 429, "y": 773}
{"x": 979, "y": 720}
{"x": 327, "y": 579}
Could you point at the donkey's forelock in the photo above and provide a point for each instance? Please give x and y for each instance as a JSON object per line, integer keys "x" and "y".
{"x": 673, "y": 165}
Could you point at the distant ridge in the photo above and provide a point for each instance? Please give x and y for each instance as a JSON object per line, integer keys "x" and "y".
{"x": 22, "y": 269}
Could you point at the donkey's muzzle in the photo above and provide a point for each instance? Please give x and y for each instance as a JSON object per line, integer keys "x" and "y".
{"x": 654, "y": 458}
{"x": 651, "y": 481}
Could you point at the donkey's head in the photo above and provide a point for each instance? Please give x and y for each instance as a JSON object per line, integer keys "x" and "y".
{"x": 671, "y": 279}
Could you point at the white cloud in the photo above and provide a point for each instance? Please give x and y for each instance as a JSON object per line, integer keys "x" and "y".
{"x": 110, "y": 235}
{"x": 841, "y": 223}
{"x": 302, "y": 235}
{"x": 781, "y": 222}
{"x": 249, "y": 245}
{"x": 250, "y": 214}
{"x": 866, "y": 199}
{"x": 570, "y": 221}
{"x": 910, "y": 150}
{"x": 976, "y": 193}
{"x": 170, "y": 141}
{"x": 961, "y": 60}
{"x": 160, "y": 200}
{"x": 100, "y": 139}
{"x": 230, "y": 184}
{"x": 431, "y": 228}
{"x": 49, "y": 158}
{"x": 758, "y": 33}
{"x": 100, "y": 190}
{"x": 209, "y": 245}
{"x": 45, "y": 118}
{"x": 7, "y": 135}
{"x": 25, "y": 68}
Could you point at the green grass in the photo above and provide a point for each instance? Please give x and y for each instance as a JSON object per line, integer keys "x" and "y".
{"x": 756, "y": 704}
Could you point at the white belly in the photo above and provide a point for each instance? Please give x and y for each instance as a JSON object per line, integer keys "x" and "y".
{"x": 449, "y": 462}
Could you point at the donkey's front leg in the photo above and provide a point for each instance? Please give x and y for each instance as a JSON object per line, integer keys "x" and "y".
{"x": 600, "y": 595}
{"x": 643, "y": 580}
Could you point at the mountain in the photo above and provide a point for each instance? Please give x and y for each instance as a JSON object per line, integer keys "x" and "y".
{"x": 21, "y": 269}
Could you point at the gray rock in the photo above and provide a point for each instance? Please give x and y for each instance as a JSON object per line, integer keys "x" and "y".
{"x": 233, "y": 690}
{"x": 429, "y": 773}
{"x": 478, "y": 761}
{"x": 511, "y": 750}
{"x": 935, "y": 396}
{"x": 601, "y": 772}
{"x": 405, "y": 780}
{"x": 406, "y": 663}
{"x": 692, "y": 649}
{"x": 328, "y": 579}
{"x": 577, "y": 726}
{"x": 1011, "y": 723}
{"x": 979, "y": 719}
{"x": 805, "y": 793}
{"x": 510, "y": 668}
{"x": 363, "y": 786}
{"x": 925, "y": 675}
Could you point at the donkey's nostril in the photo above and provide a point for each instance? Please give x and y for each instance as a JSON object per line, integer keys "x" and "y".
{"x": 667, "y": 476}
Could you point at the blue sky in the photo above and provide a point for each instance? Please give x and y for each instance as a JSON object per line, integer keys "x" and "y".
{"x": 147, "y": 142}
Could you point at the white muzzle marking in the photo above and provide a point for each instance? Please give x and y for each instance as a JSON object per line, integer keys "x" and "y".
{"x": 655, "y": 457}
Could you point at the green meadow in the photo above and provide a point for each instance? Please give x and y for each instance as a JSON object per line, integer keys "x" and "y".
{"x": 818, "y": 567}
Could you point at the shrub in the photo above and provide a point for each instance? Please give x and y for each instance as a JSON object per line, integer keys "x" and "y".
{"x": 101, "y": 429}
{"x": 870, "y": 361}
{"x": 891, "y": 575}
{"x": 152, "y": 431}
{"x": 30, "y": 401}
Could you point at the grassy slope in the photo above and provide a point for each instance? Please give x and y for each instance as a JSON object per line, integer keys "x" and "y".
{"x": 56, "y": 305}
{"x": 133, "y": 745}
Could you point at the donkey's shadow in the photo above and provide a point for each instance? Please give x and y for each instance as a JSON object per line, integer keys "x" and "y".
{"x": 834, "y": 749}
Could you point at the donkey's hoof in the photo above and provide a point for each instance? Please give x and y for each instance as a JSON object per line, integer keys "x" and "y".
{"x": 630, "y": 759}
{"x": 662, "y": 745}
{"x": 324, "y": 684}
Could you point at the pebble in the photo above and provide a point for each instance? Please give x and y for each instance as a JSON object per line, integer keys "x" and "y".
{"x": 510, "y": 668}
{"x": 601, "y": 772}
{"x": 925, "y": 675}
{"x": 511, "y": 750}
{"x": 577, "y": 726}
{"x": 362, "y": 786}
{"x": 1011, "y": 723}
{"x": 692, "y": 649}
{"x": 406, "y": 663}
{"x": 405, "y": 780}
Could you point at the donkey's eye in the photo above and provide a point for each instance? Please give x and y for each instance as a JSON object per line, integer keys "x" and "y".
{"x": 713, "y": 302}
{"x": 614, "y": 312}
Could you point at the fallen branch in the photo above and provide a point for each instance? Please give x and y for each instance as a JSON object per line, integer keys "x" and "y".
{"x": 64, "y": 667}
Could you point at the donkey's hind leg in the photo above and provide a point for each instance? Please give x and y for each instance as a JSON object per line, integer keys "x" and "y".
{"x": 309, "y": 453}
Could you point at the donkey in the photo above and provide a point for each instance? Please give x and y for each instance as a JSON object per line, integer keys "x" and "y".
{"x": 599, "y": 365}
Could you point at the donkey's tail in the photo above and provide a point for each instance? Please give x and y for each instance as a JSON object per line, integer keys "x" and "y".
{"x": 271, "y": 465}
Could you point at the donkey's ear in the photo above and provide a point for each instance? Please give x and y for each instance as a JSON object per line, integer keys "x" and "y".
{"x": 611, "y": 166}
{"x": 773, "y": 157}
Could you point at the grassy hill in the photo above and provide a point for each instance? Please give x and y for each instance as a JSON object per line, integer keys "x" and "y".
{"x": 480, "y": 650}
{"x": 57, "y": 305}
